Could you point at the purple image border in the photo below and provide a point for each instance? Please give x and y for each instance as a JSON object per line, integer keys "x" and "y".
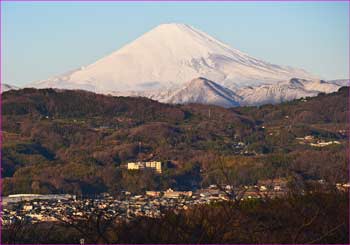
{"x": 189, "y": 1}
{"x": 160, "y": 1}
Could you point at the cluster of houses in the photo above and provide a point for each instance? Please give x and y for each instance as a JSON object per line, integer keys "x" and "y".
{"x": 55, "y": 208}
{"x": 312, "y": 141}
{"x": 34, "y": 208}
{"x": 345, "y": 187}
{"x": 170, "y": 193}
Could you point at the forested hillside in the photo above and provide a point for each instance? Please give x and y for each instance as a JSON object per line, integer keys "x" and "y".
{"x": 64, "y": 141}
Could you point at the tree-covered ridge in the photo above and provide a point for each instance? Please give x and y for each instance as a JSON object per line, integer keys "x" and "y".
{"x": 324, "y": 108}
{"x": 59, "y": 141}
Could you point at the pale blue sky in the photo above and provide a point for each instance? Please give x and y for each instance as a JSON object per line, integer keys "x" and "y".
{"x": 43, "y": 39}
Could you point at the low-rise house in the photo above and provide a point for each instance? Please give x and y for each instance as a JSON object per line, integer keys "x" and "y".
{"x": 324, "y": 143}
{"x": 27, "y": 207}
{"x": 176, "y": 194}
{"x": 153, "y": 193}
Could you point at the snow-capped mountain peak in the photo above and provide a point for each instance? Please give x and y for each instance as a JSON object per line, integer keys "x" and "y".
{"x": 162, "y": 63}
{"x": 286, "y": 90}
{"x": 203, "y": 91}
{"x": 170, "y": 55}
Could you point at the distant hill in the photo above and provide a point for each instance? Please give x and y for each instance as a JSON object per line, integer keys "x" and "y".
{"x": 58, "y": 141}
{"x": 324, "y": 108}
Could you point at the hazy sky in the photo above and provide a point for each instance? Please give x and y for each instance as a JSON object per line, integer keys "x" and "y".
{"x": 41, "y": 39}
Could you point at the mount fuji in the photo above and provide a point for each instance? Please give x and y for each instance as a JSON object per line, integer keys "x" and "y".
{"x": 160, "y": 64}
{"x": 168, "y": 55}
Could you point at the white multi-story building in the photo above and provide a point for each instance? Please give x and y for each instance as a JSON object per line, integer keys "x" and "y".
{"x": 157, "y": 166}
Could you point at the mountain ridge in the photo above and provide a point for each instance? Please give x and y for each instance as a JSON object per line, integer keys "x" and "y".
{"x": 6, "y": 87}
{"x": 247, "y": 96}
{"x": 170, "y": 55}
{"x": 204, "y": 91}
{"x": 161, "y": 63}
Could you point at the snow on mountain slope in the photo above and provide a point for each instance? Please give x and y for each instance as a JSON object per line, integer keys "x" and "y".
{"x": 340, "y": 82}
{"x": 204, "y": 91}
{"x": 170, "y": 55}
{"x": 6, "y": 87}
{"x": 63, "y": 82}
{"x": 285, "y": 91}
